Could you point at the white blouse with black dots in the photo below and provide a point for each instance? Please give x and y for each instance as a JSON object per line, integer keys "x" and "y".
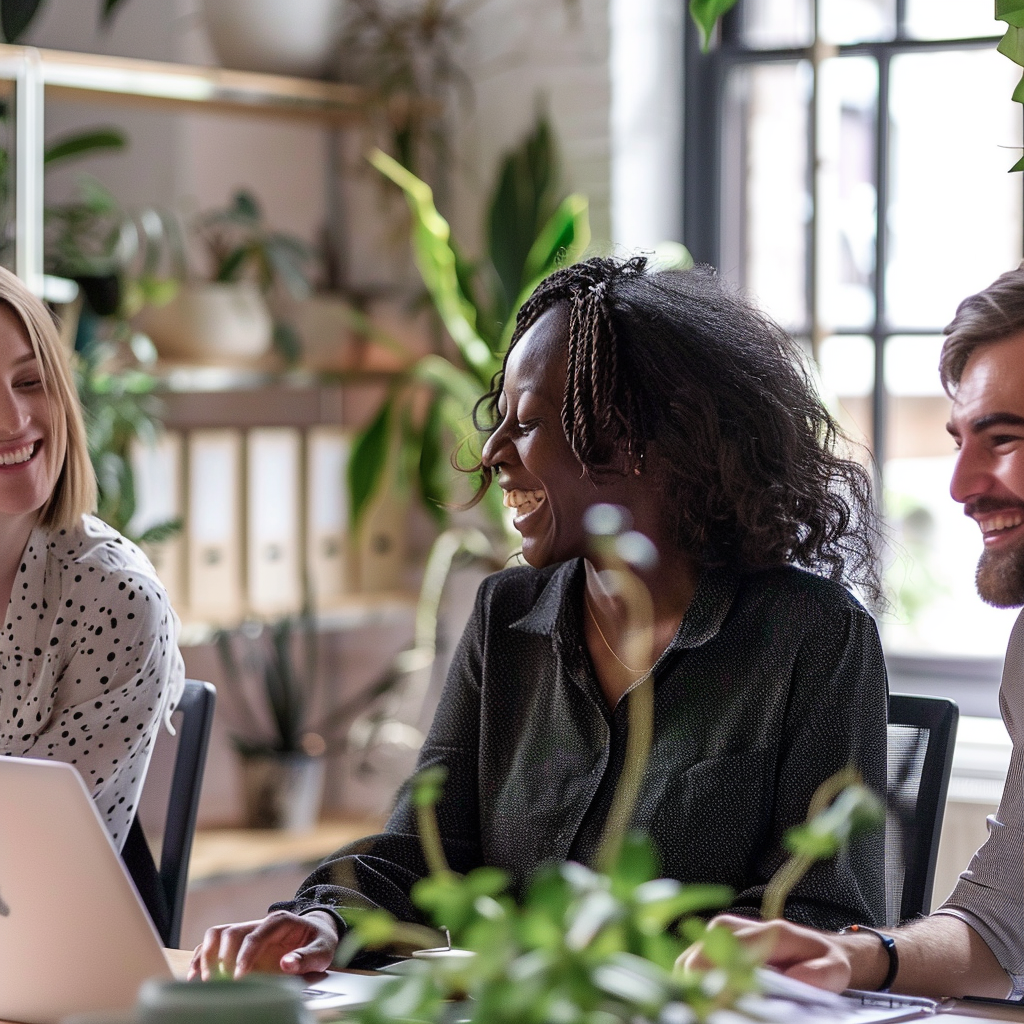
{"x": 89, "y": 662}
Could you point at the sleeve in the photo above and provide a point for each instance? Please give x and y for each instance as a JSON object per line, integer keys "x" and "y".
{"x": 122, "y": 679}
{"x": 990, "y": 894}
{"x": 836, "y": 717}
{"x": 380, "y": 870}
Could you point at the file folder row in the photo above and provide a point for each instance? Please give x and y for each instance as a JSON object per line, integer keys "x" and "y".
{"x": 266, "y": 522}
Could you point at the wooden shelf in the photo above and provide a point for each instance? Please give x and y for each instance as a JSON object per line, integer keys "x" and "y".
{"x": 92, "y": 77}
{"x": 230, "y": 852}
{"x": 355, "y": 611}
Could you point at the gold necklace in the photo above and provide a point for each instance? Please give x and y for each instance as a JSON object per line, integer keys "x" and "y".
{"x": 600, "y": 633}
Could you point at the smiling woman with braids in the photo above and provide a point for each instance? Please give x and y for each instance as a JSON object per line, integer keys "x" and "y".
{"x": 667, "y": 395}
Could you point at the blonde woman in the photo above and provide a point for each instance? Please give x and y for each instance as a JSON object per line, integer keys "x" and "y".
{"x": 89, "y": 664}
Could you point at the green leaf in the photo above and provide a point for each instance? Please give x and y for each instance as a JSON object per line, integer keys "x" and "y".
{"x": 231, "y": 266}
{"x": 563, "y": 239}
{"x": 84, "y": 142}
{"x": 705, "y": 14}
{"x": 16, "y": 16}
{"x": 161, "y": 531}
{"x": 246, "y": 207}
{"x": 436, "y": 262}
{"x": 433, "y": 464}
{"x": 523, "y": 200}
{"x": 637, "y": 863}
{"x": 427, "y": 785}
{"x": 1012, "y": 45}
{"x": 110, "y": 8}
{"x": 369, "y": 459}
{"x": 287, "y": 342}
{"x": 1010, "y": 11}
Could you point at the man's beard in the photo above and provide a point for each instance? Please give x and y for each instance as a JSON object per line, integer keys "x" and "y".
{"x": 1000, "y": 577}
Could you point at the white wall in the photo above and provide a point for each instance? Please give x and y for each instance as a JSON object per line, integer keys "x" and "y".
{"x": 646, "y": 122}
{"x": 521, "y": 52}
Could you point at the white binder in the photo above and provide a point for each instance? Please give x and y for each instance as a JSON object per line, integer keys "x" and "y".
{"x": 382, "y": 540}
{"x": 157, "y": 469}
{"x": 328, "y": 552}
{"x": 273, "y": 483}
{"x": 214, "y": 527}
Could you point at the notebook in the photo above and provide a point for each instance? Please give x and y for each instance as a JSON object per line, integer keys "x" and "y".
{"x": 74, "y": 935}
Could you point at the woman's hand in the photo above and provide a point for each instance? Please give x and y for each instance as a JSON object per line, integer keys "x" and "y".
{"x": 281, "y": 943}
{"x": 818, "y": 958}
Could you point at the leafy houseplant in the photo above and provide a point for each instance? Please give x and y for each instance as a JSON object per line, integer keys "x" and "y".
{"x": 533, "y": 227}
{"x": 290, "y": 727}
{"x": 227, "y": 316}
{"x": 282, "y": 745}
{"x": 119, "y": 407}
{"x": 17, "y": 15}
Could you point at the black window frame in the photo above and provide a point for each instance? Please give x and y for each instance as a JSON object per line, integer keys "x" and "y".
{"x": 705, "y": 75}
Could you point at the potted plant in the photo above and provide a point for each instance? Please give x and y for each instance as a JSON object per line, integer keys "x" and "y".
{"x": 227, "y": 318}
{"x": 286, "y": 722}
{"x": 533, "y": 226}
{"x": 119, "y": 407}
{"x": 281, "y": 746}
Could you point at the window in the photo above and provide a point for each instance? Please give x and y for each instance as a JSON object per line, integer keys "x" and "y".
{"x": 846, "y": 163}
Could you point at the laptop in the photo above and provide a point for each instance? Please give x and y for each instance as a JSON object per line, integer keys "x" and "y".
{"x": 74, "y": 935}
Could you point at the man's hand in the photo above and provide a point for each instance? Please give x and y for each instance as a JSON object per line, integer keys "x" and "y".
{"x": 280, "y": 943}
{"x": 818, "y": 958}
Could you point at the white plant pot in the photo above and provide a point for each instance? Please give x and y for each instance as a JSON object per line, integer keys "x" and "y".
{"x": 211, "y": 323}
{"x": 324, "y": 326}
{"x": 282, "y": 790}
{"x": 293, "y": 38}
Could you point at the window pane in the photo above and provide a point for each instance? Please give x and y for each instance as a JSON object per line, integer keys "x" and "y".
{"x": 931, "y": 566}
{"x": 765, "y": 200}
{"x": 847, "y": 375}
{"x": 847, "y": 104}
{"x": 857, "y": 21}
{"x": 778, "y": 23}
{"x": 954, "y": 213}
{"x": 912, "y": 370}
{"x": 951, "y": 19}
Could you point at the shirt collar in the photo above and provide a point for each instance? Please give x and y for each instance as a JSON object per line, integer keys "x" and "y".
{"x": 553, "y": 613}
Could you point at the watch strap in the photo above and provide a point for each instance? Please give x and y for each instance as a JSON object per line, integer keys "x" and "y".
{"x": 888, "y": 944}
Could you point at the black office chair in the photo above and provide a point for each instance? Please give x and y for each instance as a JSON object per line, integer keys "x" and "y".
{"x": 163, "y": 890}
{"x": 921, "y": 737}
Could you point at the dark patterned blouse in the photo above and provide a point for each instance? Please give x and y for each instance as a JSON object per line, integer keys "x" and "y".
{"x": 773, "y": 682}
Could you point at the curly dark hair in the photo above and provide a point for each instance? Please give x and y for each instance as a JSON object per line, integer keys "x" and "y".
{"x": 672, "y": 365}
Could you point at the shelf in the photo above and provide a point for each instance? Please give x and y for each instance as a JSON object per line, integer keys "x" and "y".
{"x": 92, "y": 77}
{"x": 355, "y": 612}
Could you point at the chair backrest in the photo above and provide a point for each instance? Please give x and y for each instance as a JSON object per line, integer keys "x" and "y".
{"x": 921, "y": 737}
{"x": 163, "y": 889}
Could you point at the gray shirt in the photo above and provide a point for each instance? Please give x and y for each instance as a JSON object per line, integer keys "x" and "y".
{"x": 990, "y": 894}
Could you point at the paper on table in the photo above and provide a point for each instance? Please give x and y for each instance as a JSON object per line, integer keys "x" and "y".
{"x": 786, "y": 1000}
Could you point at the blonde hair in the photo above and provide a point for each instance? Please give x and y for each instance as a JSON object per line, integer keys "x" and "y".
{"x": 74, "y": 493}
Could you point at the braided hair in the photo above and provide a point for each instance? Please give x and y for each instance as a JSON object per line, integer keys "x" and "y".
{"x": 673, "y": 366}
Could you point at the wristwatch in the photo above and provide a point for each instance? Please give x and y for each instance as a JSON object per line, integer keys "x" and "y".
{"x": 888, "y": 944}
